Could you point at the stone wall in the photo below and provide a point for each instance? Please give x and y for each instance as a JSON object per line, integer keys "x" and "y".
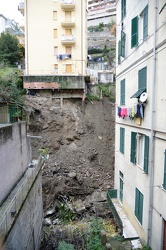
{"x": 15, "y": 154}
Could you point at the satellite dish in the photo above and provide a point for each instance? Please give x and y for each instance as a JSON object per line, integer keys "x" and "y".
{"x": 143, "y": 97}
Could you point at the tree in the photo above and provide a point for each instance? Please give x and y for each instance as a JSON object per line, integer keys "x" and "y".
{"x": 10, "y": 50}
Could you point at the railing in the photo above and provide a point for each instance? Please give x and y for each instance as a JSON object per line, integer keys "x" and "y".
{"x": 68, "y": 38}
{"x": 63, "y": 56}
{"x": 111, "y": 194}
{"x": 11, "y": 114}
{"x": 67, "y": 1}
{"x": 10, "y": 210}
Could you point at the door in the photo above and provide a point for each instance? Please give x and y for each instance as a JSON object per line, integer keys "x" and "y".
{"x": 67, "y": 16}
{"x": 68, "y": 32}
{"x": 164, "y": 235}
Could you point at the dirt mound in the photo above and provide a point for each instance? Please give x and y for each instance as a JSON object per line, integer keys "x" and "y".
{"x": 80, "y": 145}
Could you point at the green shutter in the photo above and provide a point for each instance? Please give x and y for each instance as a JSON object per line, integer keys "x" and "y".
{"x": 138, "y": 205}
{"x": 145, "y": 23}
{"x": 123, "y": 42}
{"x": 122, "y": 139}
{"x": 134, "y": 32}
{"x": 123, "y": 9}
{"x": 142, "y": 78}
{"x": 146, "y": 154}
{"x": 119, "y": 51}
{"x": 133, "y": 147}
{"x": 164, "y": 182}
{"x": 122, "y": 92}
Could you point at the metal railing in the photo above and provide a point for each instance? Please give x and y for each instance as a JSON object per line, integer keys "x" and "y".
{"x": 11, "y": 207}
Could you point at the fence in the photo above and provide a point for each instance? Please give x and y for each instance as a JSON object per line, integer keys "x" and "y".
{"x": 11, "y": 114}
{"x": 11, "y": 207}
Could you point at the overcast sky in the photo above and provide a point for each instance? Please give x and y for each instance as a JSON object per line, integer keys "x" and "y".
{"x": 9, "y": 8}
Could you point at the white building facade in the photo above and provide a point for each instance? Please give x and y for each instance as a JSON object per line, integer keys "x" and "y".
{"x": 140, "y": 146}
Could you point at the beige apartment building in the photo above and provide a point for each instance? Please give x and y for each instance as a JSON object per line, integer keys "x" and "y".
{"x": 140, "y": 145}
{"x": 55, "y": 44}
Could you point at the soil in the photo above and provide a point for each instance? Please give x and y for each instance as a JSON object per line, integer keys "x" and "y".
{"x": 80, "y": 143}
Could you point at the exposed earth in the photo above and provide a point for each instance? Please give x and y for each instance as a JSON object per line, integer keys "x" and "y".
{"x": 80, "y": 144}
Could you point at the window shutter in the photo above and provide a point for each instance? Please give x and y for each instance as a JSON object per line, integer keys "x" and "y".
{"x": 122, "y": 92}
{"x": 145, "y": 23}
{"x": 140, "y": 212}
{"x": 134, "y": 32}
{"x": 119, "y": 51}
{"x": 122, "y": 136}
{"x": 133, "y": 147}
{"x": 123, "y": 9}
{"x": 136, "y": 202}
{"x": 146, "y": 154}
{"x": 142, "y": 78}
{"x": 123, "y": 41}
{"x": 164, "y": 182}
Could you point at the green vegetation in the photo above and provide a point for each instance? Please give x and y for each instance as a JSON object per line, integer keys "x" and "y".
{"x": 96, "y": 28}
{"x": 93, "y": 235}
{"x": 65, "y": 214}
{"x": 11, "y": 85}
{"x": 11, "y": 51}
{"x": 147, "y": 248}
{"x": 62, "y": 245}
{"x": 92, "y": 97}
{"x": 108, "y": 90}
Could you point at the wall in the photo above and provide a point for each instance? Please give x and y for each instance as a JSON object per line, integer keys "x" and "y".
{"x": 26, "y": 232}
{"x": 15, "y": 156}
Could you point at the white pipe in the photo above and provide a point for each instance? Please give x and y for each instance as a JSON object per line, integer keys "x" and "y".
{"x": 151, "y": 149}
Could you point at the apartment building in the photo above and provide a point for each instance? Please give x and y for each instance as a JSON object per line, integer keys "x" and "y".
{"x": 140, "y": 145}
{"x": 55, "y": 44}
{"x": 101, "y": 11}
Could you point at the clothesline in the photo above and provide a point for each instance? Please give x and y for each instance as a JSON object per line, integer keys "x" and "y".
{"x": 133, "y": 112}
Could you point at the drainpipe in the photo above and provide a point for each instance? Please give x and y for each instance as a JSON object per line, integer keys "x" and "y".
{"x": 151, "y": 149}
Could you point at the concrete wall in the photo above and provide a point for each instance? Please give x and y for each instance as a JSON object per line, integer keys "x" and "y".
{"x": 26, "y": 231}
{"x": 15, "y": 154}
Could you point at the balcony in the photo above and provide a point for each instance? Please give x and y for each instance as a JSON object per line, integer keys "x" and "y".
{"x": 67, "y": 4}
{"x": 63, "y": 56}
{"x": 68, "y": 23}
{"x": 21, "y": 8}
{"x": 68, "y": 40}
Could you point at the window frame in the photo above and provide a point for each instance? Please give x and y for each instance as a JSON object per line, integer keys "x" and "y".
{"x": 133, "y": 148}
{"x": 164, "y": 177}
{"x": 143, "y": 152}
{"x": 123, "y": 43}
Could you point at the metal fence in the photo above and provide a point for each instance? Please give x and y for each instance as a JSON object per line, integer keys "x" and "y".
{"x": 11, "y": 207}
{"x": 11, "y": 114}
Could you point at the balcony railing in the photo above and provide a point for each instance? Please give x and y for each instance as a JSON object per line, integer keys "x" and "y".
{"x": 68, "y": 4}
{"x": 68, "y": 40}
{"x": 21, "y": 8}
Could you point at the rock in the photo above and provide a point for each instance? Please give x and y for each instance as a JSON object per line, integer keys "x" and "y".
{"x": 47, "y": 222}
{"x": 50, "y": 212}
{"x": 70, "y": 138}
{"x": 73, "y": 146}
{"x": 45, "y": 126}
{"x": 99, "y": 197}
{"x": 79, "y": 206}
{"x": 103, "y": 237}
{"x": 101, "y": 208}
{"x": 72, "y": 174}
{"x": 108, "y": 246}
{"x": 56, "y": 222}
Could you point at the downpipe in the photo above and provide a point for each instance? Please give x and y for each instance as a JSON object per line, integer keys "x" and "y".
{"x": 151, "y": 149}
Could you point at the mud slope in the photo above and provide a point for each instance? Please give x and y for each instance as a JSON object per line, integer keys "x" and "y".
{"x": 80, "y": 145}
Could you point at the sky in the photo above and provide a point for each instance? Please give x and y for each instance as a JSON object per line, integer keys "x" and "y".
{"x": 9, "y": 8}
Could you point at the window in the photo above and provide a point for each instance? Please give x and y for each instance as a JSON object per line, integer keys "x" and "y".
{"x": 121, "y": 186}
{"x": 122, "y": 140}
{"x": 143, "y": 151}
{"x": 68, "y": 32}
{"x": 55, "y": 33}
{"x": 123, "y": 43}
{"x": 68, "y": 50}
{"x": 142, "y": 78}
{"x": 56, "y": 68}
{"x": 134, "y": 32}
{"x": 139, "y": 205}
{"x": 164, "y": 182}
{"x": 145, "y": 23}
{"x": 122, "y": 92}
{"x": 133, "y": 147}
{"x": 68, "y": 68}
{"x": 123, "y": 9}
{"x": 55, "y": 50}
{"x": 55, "y": 15}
